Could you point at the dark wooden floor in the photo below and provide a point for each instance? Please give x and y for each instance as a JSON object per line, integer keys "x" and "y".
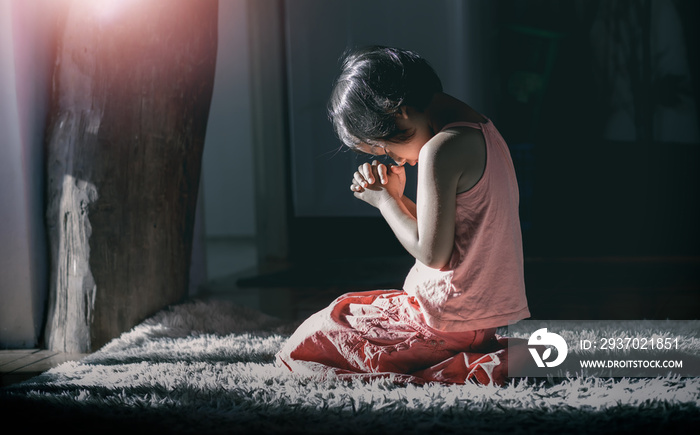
{"x": 608, "y": 288}
{"x": 655, "y": 288}
{"x": 22, "y": 364}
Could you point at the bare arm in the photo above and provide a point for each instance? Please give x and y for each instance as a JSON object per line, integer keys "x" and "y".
{"x": 425, "y": 228}
{"x": 410, "y": 205}
{"x": 428, "y": 232}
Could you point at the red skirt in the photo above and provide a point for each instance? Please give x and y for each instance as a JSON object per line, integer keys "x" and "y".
{"x": 382, "y": 334}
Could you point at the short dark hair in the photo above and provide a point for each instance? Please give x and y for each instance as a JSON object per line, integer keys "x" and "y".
{"x": 374, "y": 83}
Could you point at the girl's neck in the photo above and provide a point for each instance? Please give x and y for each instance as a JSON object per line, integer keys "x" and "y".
{"x": 445, "y": 109}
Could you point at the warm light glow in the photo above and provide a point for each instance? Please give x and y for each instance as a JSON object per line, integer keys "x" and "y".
{"x": 108, "y": 10}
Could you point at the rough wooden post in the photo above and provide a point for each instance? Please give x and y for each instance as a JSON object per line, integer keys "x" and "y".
{"x": 131, "y": 92}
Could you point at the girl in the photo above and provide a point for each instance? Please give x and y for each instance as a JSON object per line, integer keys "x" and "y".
{"x": 463, "y": 231}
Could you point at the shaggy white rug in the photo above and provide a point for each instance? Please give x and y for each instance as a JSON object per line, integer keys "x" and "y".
{"x": 207, "y": 367}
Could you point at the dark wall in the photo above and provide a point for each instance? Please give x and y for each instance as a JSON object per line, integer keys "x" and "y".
{"x": 592, "y": 187}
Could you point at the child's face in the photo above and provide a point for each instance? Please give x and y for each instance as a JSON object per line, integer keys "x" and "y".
{"x": 407, "y": 151}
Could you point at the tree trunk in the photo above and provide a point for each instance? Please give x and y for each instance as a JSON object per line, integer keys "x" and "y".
{"x": 131, "y": 92}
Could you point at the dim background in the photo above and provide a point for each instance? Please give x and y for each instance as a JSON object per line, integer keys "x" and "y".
{"x": 598, "y": 101}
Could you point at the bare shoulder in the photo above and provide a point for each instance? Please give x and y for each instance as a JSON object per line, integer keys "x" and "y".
{"x": 454, "y": 142}
{"x": 460, "y": 152}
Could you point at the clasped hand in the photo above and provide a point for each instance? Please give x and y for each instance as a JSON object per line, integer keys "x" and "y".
{"x": 375, "y": 183}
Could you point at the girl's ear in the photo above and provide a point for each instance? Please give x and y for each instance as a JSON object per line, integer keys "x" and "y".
{"x": 402, "y": 113}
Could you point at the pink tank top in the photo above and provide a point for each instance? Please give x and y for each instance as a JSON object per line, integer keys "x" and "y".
{"x": 482, "y": 286}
